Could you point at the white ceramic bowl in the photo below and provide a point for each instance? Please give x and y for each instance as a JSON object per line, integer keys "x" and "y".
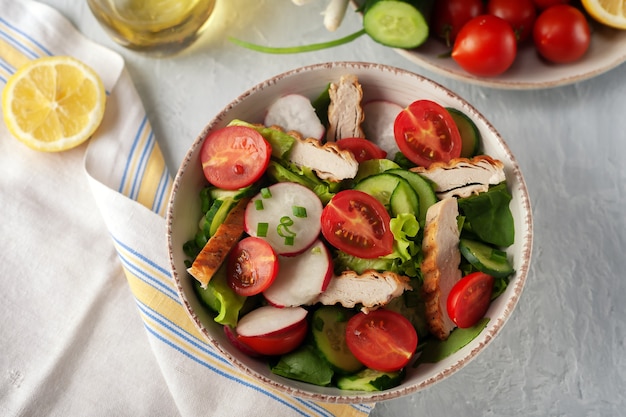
{"x": 379, "y": 82}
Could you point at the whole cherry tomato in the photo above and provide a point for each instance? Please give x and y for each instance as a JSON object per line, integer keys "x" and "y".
{"x": 486, "y": 46}
{"x": 544, "y": 4}
{"x": 562, "y": 34}
{"x": 520, "y": 14}
{"x": 449, "y": 16}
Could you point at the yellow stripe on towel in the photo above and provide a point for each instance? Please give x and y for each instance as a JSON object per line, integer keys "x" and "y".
{"x": 152, "y": 186}
{"x": 12, "y": 56}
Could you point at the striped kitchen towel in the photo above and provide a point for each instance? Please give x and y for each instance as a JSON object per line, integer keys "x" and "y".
{"x": 130, "y": 184}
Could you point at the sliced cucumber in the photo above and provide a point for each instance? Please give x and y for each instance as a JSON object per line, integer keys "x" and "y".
{"x": 217, "y": 214}
{"x": 423, "y": 188}
{"x": 221, "y": 194}
{"x": 370, "y": 380}
{"x": 384, "y": 186}
{"x": 470, "y": 135}
{"x": 404, "y": 199}
{"x": 329, "y": 334}
{"x": 396, "y": 23}
{"x": 486, "y": 258}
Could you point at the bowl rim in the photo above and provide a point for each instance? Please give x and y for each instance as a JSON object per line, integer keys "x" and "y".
{"x": 348, "y": 397}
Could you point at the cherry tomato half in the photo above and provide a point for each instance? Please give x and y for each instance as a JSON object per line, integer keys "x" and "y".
{"x": 234, "y": 157}
{"x": 252, "y": 266}
{"x": 520, "y": 14}
{"x": 361, "y": 148}
{"x": 486, "y": 46}
{"x": 358, "y": 224}
{"x": 449, "y": 16}
{"x": 277, "y": 343}
{"x": 562, "y": 34}
{"x": 469, "y": 299}
{"x": 381, "y": 339}
{"x": 426, "y": 133}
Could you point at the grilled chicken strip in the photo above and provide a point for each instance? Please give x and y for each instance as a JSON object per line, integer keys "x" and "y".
{"x": 345, "y": 114}
{"x": 440, "y": 267}
{"x": 372, "y": 289}
{"x": 326, "y": 160}
{"x": 462, "y": 177}
{"x": 219, "y": 245}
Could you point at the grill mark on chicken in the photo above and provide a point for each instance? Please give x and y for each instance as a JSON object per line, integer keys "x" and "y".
{"x": 462, "y": 177}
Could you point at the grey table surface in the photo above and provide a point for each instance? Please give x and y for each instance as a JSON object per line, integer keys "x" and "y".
{"x": 563, "y": 351}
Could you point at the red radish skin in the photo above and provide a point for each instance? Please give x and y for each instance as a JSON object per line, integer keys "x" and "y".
{"x": 295, "y": 112}
{"x": 233, "y": 338}
{"x": 302, "y": 278}
{"x": 273, "y": 331}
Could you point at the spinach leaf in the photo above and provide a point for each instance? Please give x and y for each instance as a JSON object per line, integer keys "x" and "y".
{"x": 489, "y": 215}
{"x": 304, "y": 364}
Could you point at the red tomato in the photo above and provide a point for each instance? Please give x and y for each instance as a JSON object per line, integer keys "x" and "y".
{"x": 426, "y": 133}
{"x": 469, "y": 299}
{"x": 277, "y": 343}
{"x": 562, "y": 34}
{"x": 449, "y": 16}
{"x": 382, "y": 339}
{"x": 234, "y": 157}
{"x": 544, "y": 4}
{"x": 520, "y": 14}
{"x": 486, "y": 46}
{"x": 358, "y": 224}
{"x": 361, "y": 148}
{"x": 252, "y": 266}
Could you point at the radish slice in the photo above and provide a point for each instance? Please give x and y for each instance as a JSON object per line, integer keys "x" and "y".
{"x": 232, "y": 338}
{"x": 269, "y": 320}
{"x": 301, "y": 279}
{"x": 295, "y": 112}
{"x": 380, "y": 116}
{"x": 287, "y": 215}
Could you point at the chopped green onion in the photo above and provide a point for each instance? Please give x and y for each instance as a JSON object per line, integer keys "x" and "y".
{"x": 261, "y": 229}
{"x": 258, "y": 204}
{"x": 297, "y": 49}
{"x": 299, "y": 211}
{"x": 283, "y": 230}
{"x": 265, "y": 192}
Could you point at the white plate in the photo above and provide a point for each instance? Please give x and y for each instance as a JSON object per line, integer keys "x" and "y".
{"x": 529, "y": 71}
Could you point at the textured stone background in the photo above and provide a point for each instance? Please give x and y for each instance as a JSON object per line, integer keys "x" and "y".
{"x": 563, "y": 351}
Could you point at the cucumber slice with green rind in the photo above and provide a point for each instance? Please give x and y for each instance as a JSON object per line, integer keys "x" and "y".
{"x": 425, "y": 192}
{"x": 370, "y": 380}
{"x": 384, "y": 187}
{"x": 329, "y": 333}
{"x": 470, "y": 135}
{"x": 396, "y": 24}
{"x": 486, "y": 258}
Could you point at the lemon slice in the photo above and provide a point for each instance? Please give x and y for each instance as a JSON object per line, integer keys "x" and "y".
{"x": 54, "y": 103}
{"x": 609, "y": 12}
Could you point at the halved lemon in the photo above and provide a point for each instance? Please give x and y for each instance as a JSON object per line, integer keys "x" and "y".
{"x": 54, "y": 103}
{"x": 609, "y": 12}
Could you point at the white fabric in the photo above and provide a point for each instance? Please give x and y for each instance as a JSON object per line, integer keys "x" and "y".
{"x": 75, "y": 341}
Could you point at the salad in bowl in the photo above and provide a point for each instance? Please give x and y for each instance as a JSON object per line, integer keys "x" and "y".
{"x": 349, "y": 232}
